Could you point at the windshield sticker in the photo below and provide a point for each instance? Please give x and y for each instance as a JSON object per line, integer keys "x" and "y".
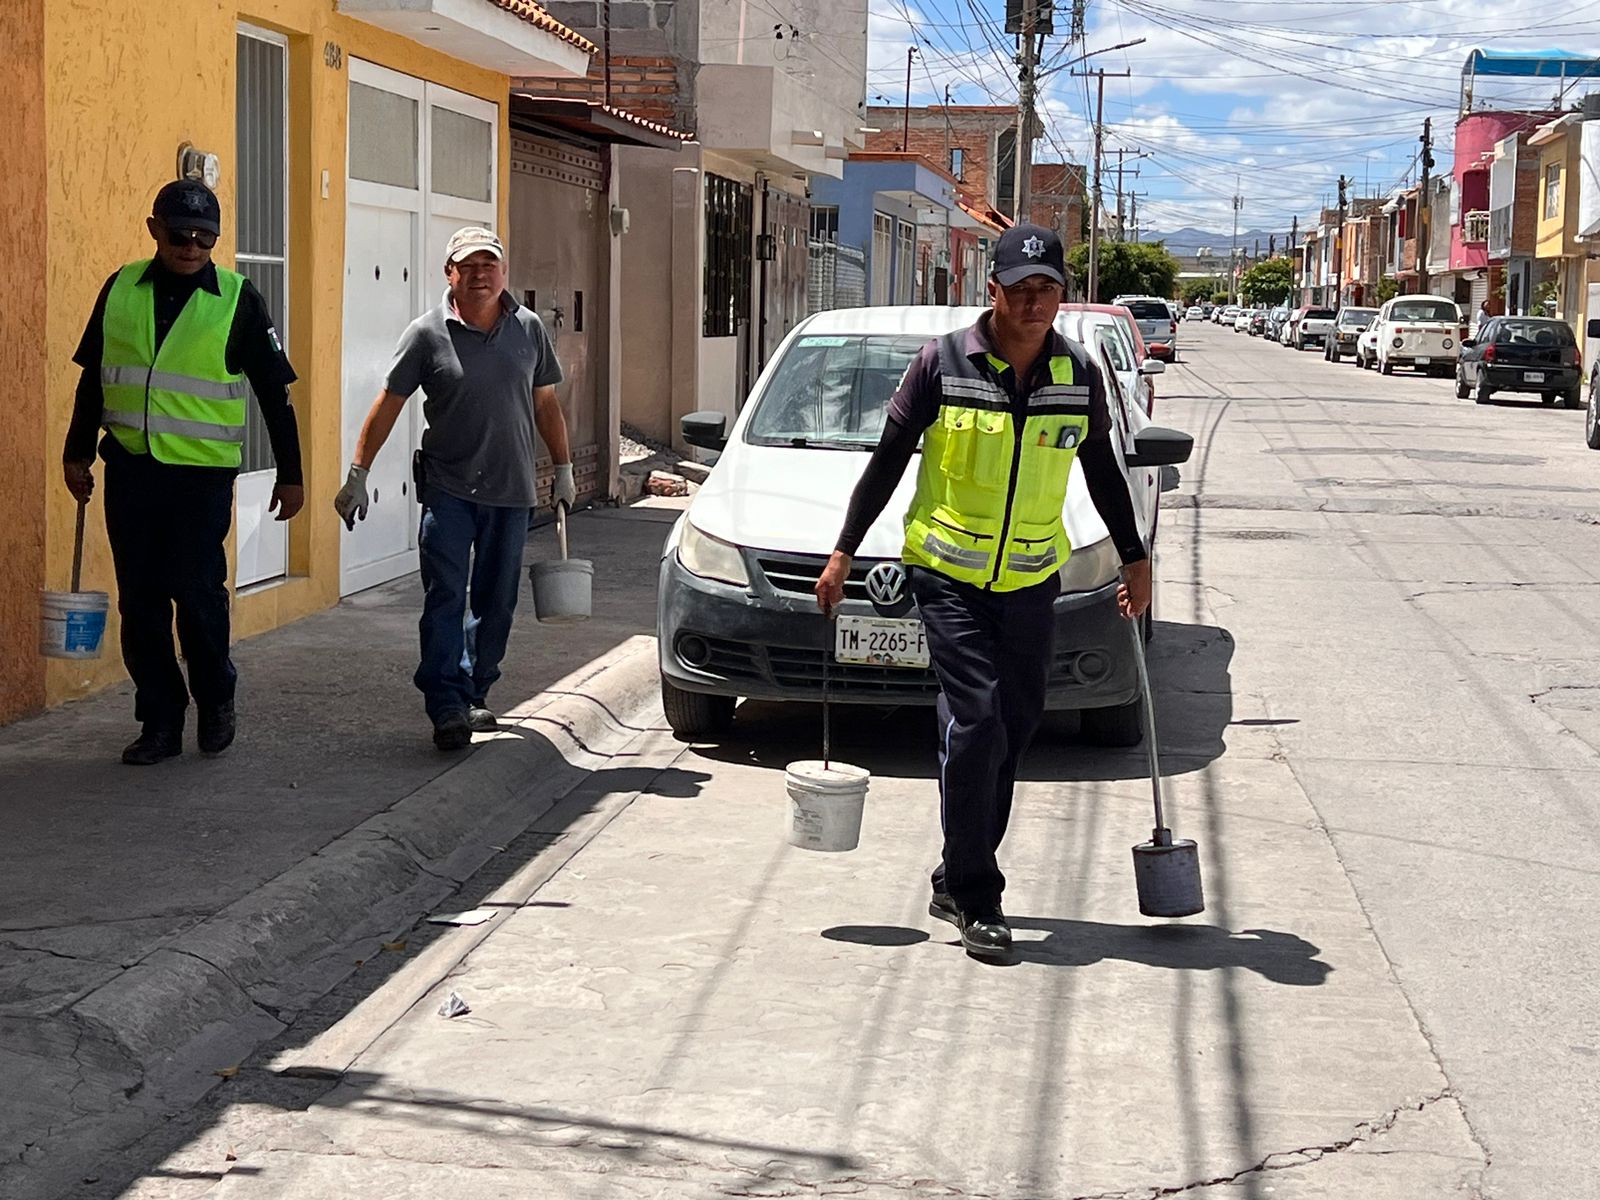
{"x": 807, "y": 342}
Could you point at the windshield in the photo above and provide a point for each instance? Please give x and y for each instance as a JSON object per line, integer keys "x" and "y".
{"x": 1424, "y": 310}
{"x": 832, "y": 391}
{"x": 1533, "y": 333}
{"x": 1148, "y": 310}
{"x": 1357, "y": 316}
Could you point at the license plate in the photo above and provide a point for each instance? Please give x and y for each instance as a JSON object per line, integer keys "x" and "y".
{"x": 1422, "y": 362}
{"x": 1533, "y": 377}
{"x": 880, "y": 642}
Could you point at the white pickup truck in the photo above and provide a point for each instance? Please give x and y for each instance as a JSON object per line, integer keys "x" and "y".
{"x": 1314, "y": 328}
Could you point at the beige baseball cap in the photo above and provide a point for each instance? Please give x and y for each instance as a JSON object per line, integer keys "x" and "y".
{"x": 469, "y": 241}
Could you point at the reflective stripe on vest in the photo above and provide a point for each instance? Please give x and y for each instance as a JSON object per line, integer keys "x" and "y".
{"x": 990, "y": 494}
{"x": 180, "y": 404}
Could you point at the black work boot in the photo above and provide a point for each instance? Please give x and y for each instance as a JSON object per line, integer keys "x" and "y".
{"x": 985, "y": 934}
{"x": 943, "y": 907}
{"x": 216, "y": 728}
{"x": 481, "y": 719}
{"x": 155, "y": 743}
{"x": 451, "y": 731}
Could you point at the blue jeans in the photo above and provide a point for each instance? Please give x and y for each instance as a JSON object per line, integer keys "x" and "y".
{"x": 462, "y": 545}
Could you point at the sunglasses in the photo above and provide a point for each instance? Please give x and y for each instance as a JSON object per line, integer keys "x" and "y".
{"x": 185, "y": 237}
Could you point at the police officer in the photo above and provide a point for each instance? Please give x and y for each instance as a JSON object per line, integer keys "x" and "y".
{"x": 165, "y": 357}
{"x": 489, "y": 372}
{"x": 1002, "y": 409}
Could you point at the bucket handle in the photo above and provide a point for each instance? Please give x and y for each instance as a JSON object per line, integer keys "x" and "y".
{"x": 77, "y": 547}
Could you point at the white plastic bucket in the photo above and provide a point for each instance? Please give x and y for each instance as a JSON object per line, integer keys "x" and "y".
{"x": 562, "y": 591}
{"x": 72, "y": 624}
{"x": 825, "y": 804}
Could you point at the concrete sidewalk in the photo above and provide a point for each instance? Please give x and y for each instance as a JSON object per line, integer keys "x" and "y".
{"x": 158, "y": 923}
{"x": 673, "y": 1004}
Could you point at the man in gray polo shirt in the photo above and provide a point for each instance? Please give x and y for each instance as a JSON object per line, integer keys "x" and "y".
{"x": 489, "y": 372}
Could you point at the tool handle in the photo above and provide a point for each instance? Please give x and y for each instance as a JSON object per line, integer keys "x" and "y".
{"x": 1149, "y": 707}
{"x": 561, "y": 527}
{"x": 77, "y": 547}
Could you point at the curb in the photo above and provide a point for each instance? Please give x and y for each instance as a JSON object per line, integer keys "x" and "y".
{"x": 160, "y": 1029}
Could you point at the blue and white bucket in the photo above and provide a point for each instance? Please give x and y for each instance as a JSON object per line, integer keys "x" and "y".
{"x": 72, "y": 624}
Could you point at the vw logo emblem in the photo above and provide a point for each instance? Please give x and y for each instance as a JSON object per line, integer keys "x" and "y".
{"x": 886, "y": 588}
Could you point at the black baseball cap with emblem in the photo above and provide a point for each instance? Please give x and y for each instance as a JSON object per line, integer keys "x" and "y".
{"x": 1026, "y": 250}
{"x": 188, "y": 204}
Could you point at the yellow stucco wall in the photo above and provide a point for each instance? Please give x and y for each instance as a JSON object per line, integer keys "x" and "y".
{"x": 121, "y": 94}
{"x": 1557, "y": 234}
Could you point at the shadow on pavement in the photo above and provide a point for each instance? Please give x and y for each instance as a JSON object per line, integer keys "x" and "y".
{"x": 1189, "y": 670}
{"x": 1284, "y": 958}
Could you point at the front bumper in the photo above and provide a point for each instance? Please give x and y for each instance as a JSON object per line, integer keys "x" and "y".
{"x": 1313, "y": 337}
{"x": 1513, "y": 379}
{"x": 764, "y": 644}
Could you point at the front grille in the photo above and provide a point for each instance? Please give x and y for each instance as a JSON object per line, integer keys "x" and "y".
{"x": 795, "y": 574}
{"x": 802, "y": 671}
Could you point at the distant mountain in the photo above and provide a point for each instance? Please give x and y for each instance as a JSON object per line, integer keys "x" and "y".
{"x": 1190, "y": 240}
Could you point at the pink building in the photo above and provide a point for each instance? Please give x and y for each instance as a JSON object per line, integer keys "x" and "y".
{"x": 1476, "y": 135}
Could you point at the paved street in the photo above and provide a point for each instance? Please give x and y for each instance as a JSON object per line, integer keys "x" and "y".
{"x": 1376, "y": 664}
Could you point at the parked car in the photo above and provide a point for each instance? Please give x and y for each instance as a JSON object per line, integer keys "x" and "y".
{"x": 1258, "y": 322}
{"x": 1225, "y": 315}
{"x": 1194, "y": 313}
{"x": 1350, "y": 325}
{"x": 1156, "y": 323}
{"x": 1142, "y": 354}
{"x": 1291, "y": 323}
{"x": 1206, "y": 310}
{"x": 1367, "y": 347}
{"x": 735, "y": 614}
{"x": 1241, "y": 319}
{"x": 1591, "y": 424}
{"x": 1314, "y": 326}
{"x": 1423, "y": 332}
{"x": 1275, "y": 319}
{"x": 1521, "y": 354}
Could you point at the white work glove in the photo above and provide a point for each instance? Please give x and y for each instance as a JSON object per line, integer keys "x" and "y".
{"x": 352, "y": 500}
{"x": 565, "y": 491}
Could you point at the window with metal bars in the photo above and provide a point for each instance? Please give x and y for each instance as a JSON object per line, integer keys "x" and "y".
{"x": 261, "y": 219}
{"x": 727, "y": 274}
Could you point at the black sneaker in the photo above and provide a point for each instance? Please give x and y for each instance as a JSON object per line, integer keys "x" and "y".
{"x": 451, "y": 732}
{"x": 985, "y": 934}
{"x": 153, "y": 746}
{"x": 943, "y": 907}
{"x": 216, "y": 728}
{"x": 481, "y": 720}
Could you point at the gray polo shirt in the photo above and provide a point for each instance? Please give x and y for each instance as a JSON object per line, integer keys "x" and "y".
{"x": 480, "y": 443}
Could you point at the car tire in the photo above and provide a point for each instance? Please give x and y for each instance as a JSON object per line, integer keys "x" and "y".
{"x": 1483, "y": 395}
{"x": 1385, "y": 367}
{"x": 1591, "y": 424}
{"x": 1572, "y": 399}
{"x": 1462, "y": 390}
{"x": 695, "y": 714}
{"x": 1119, "y": 725}
{"x": 1333, "y": 354}
{"x": 1547, "y": 397}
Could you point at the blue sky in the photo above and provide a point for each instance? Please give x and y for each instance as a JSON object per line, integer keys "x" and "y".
{"x": 1287, "y": 94}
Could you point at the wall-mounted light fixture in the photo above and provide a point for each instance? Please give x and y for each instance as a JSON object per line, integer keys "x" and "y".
{"x": 194, "y": 163}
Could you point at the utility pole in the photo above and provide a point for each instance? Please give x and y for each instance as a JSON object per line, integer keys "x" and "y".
{"x": 1121, "y": 155}
{"x": 1233, "y": 252}
{"x": 1294, "y": 257}
{"x": 946, "y": 163}
{"x": 1026, "y": 94}
{"x": 1133, "y": 219}
{"x": 905, "y": 132}
{"x": 1094, "y": 208}
{"x": 1338, "y": 246}
{"x": 1424, "y": 215}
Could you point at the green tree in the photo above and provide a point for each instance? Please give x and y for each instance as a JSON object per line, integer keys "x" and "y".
{"x": 1200, "y": 291}
{"x": 1128, "y": 269}
{"x": 1388, "y": 289}
{"x": 1266, "y": 282}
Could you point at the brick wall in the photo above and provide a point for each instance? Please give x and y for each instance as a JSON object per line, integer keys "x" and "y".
{"x": 656, "y": 87}
{"x": 971, "y": 130}
{"x": 1528, "y": 205}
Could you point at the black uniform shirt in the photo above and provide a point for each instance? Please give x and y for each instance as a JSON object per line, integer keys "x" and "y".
{"x": 253, "y": 349}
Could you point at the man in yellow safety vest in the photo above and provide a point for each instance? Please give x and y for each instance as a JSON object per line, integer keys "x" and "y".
{"x": 166, "y": 355}
{"x": 1002, "y": 410}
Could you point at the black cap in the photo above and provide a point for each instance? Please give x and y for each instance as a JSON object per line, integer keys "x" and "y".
{"x": 188, "y": 204}
{"x": 1025, "y": 250}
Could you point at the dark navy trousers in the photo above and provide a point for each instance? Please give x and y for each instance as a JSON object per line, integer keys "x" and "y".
{"x": 471, "y": 558}
{"x": 992, "y": 653}
{"x": 167, "y": 526}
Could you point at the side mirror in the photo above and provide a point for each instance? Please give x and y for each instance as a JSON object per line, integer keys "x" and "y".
{"x": 708, "y": 430}
{"x": 1157, "y": 447}
{"x": 1152, "y": 366}
{"x": 1468, "y": 342}
{"x": 1594, "y": 328}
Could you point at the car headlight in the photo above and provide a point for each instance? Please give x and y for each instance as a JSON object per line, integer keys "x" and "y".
{"x": 711, "y": 558}
{"x": 1090, "y": 568}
